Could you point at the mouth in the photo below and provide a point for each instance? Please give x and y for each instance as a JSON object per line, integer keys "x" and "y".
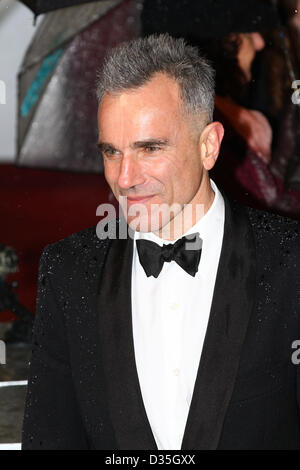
{"x": 138, "y": 200}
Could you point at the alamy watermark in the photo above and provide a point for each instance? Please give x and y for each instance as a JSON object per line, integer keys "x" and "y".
{"x": 2, "y": 92}
{"x": 296, "y": 354}
{"x": 296, "y": 94}
{"x": 2, "y": 352}
{"x": 152, "y": 218}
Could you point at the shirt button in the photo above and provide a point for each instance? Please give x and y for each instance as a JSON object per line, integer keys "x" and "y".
{"x": 176, "y": 372}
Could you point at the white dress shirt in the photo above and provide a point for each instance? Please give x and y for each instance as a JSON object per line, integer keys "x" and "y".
{"x": 170, "y": 315}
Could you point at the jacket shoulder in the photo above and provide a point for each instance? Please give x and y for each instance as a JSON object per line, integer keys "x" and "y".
{"x": 76, "y": 248}
{"x": 275, "y": 235}
{"x": 268, "y": 224}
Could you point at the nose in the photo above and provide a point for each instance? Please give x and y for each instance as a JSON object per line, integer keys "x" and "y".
{"x": 131, "y": 173}
{"x": 258, "y": 41}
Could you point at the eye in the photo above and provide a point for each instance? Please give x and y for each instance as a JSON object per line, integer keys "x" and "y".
{"x": 152, "y": 148}
{"x": 110, "y": 152}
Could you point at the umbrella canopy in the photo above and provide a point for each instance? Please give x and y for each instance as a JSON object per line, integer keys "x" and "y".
{"x": 44, "y": 6}
{"x": 57, "y": 114}
{"x": 207, "y": 19}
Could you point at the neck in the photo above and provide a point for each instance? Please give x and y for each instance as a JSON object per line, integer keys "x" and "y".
{"x": 190, "y": 214}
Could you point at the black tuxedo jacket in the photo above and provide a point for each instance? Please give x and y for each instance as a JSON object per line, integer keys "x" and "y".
{"x": 83, "y": 390}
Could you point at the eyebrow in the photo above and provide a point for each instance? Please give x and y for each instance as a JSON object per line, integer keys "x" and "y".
{"x": 139, "y": 144}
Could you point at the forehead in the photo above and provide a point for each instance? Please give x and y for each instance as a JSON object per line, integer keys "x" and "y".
{"x": 155, "y": 105}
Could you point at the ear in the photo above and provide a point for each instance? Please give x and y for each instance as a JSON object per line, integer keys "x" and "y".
{"x": 210, "y": 143}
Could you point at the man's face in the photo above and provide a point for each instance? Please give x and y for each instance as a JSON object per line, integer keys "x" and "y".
{"x": 150, "y": 153}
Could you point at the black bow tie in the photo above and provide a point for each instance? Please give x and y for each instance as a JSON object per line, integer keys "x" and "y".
{"x": 186, "y": 252}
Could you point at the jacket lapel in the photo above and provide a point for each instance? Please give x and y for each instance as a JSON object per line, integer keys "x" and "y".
{"x": 230, "y": 311}
{"x": 128, "y": 415}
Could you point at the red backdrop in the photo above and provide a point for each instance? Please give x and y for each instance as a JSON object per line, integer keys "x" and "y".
{"x": 39, "y": 207}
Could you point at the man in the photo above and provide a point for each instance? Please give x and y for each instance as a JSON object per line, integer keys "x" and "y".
{"x": 154, "y": 341}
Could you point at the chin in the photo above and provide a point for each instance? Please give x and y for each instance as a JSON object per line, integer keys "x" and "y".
{"x": 143, "y": 224}
{"x": 140, "y": 225}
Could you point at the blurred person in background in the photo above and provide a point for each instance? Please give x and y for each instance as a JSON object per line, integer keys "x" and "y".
{"x": 231, "y": 35}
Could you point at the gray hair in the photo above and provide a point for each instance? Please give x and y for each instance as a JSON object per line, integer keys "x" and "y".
{"x": 132, "y": 64}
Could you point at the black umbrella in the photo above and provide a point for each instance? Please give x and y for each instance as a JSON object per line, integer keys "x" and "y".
{"x": 207, "y": 19}
{"x": 43, "y": 6}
